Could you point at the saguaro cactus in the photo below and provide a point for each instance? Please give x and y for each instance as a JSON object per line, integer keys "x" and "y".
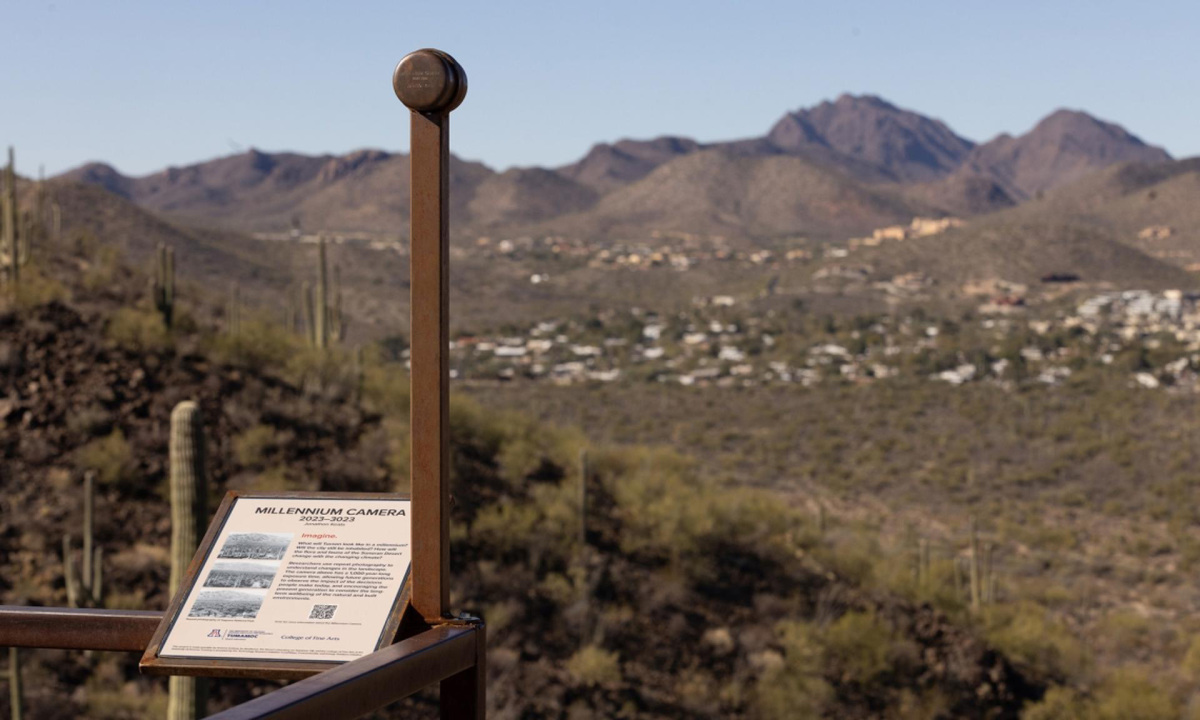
{"x": 583, "y": 481}
{"x": 86, "y": 587}
{"x": 321, "y": 329}
{"x": 56, "y": 221}
{"x": 69, "y": 572}
{"x": 337, "y": 330}
{"x": 27, "y": 231}
{"x": 89, "y": 531}
{"x": 164, "y": 284}
{"x": 976, "y": 576}
{"x": 188, "y": 696}
{"x": 11, "y": 232}
{"x": 923, "y": 564}
{"x": 989, "y": 579}
{"x": 310, "y": 327}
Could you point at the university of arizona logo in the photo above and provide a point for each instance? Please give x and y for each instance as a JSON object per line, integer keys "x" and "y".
{"x": 215, "y": 633}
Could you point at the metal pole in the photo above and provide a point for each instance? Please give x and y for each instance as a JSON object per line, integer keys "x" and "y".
{"x": 431, "y": 84}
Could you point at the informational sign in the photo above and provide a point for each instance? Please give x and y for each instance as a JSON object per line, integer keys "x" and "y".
{"x": 298, "y": 580}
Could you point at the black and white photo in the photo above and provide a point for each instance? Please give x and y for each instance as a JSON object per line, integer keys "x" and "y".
{"x": 256, "y": 574}
{"x": 255, "y": 546}
{"x": 227, "y": 604}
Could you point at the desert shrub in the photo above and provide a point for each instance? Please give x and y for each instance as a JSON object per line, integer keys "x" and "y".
{"x": 545, "y": 526}
{"x": 110, "y": 457}
{"x": 1059, "y": 703}
{"x": 593, "y": 665}
{"x": 860, "y": 645}
{"x": 473, "y": 426}
{"x": 530, "y": 447}
{"x": 1028, "y": 635}
{"x": 37, "y": 288}
{"x": 1126, "y": 630}
{"x": 926, "y": 704}
{"x": 1191, "y": 659}
{"x": 505, "y": 526}
{"x": 274, "y": 479}
{"x": 263, "y": 346}
{"x": 138, "y": 330}
{"x": 663, "y": 508}
{"x": 251, "y": 447}
{"x": 853, "y": 558}
{"x": 1129, "y": 694}
{"x": 386, "y": 388}
{"x": 89, "y": 421}
{"x": 795, "y": 686}
{"x": 102, "y": 267}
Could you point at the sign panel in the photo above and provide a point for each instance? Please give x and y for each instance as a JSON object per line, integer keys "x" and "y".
{"x": 298, "y": 581}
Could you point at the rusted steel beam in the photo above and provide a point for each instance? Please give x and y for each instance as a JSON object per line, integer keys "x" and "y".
{"x": 430, "y": 366}
{"x": 371, "y": 682}
{"x": 431, "y": 84}
{"x": 77, "y": 629}
{"x": 464, "y": 696}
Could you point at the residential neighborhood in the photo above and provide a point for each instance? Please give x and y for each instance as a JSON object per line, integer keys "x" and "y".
{"x": 1154, "y": 337}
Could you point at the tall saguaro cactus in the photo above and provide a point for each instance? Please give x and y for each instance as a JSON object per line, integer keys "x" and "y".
{"x": 583, "y": 480}
{"x": 10, "y": 221}
{"x": 976, "y": 575}
{"x": 188, "y": 696}
{"x": 87, "y": 587}
{"x": 336, "y": 330}
{"x": 164, "y": 284}
{"x": 89, "y": 534}
{"x": 321, "y": 329}
{"x": 310, "y": 327}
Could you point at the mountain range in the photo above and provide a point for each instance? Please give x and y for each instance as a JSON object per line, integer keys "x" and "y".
{"x": 838, "y": 168}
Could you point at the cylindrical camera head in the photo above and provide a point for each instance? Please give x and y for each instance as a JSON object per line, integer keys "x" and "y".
{"x": 430, "y": 81}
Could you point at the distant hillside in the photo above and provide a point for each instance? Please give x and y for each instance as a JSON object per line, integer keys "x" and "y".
{"x": 1152, "y": 207}
{"x": 723, "y": 193}
{"x": 1060, "y": 149}
{"x": 884, "y": 161}
{"x": 1014, "y": 247}
{"x": 363, "y": 191}
{"x": 905, "y": 146}
{"x": 606, "y": 167}
{"x": 205, "y": 255}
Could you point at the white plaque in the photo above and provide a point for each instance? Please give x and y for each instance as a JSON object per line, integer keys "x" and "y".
{"x": 312, "y": 577}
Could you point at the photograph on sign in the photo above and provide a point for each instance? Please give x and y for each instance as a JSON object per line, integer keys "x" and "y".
{"x": 295, "y": 577}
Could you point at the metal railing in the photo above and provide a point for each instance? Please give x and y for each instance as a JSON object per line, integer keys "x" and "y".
{"x": 450, "y": 651}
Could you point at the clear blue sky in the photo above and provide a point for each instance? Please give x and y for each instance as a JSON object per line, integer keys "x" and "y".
{"x": 147, "y": 84}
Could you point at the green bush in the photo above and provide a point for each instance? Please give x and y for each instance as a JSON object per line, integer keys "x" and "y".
{"x": 1129, "y": 694}
{"x": 251, "y": 447}
{"x": 264, "y": 346}
{"x": 860, "y": 645}
{"x": 1191, "y": 660}
{"x": 138, "y": 330}
{"x": 37, "y": 288}
{"x": 795, "y": 687}
{"x": 1027, "y": 634}
{"x": 1059, "y": 703}
{"x": 593, "y": 665}
{"x": 110, "y": 457}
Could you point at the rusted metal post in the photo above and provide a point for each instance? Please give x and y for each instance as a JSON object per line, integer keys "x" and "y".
{"x": 431, "y": 84}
